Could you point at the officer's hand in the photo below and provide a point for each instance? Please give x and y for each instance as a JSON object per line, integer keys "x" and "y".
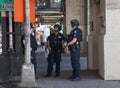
{"x": 65, "y": 44}
{"x": 68, "y": 44}
{"x": 49, "y": 48}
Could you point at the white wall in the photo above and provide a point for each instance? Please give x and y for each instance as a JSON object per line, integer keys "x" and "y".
{"x": 112, "y": 41}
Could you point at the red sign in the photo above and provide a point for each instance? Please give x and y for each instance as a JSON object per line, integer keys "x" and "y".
{"x": 32, "y": 11}
{"x": 19, "y": 11}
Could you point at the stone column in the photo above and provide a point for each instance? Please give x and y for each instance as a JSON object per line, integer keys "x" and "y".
{"x": 112, "y": 41}
{"x": 93, "y": 56}
{"x": 101, "y": 38}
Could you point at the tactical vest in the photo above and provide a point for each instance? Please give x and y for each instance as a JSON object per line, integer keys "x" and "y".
{"x": 56, "y": 42}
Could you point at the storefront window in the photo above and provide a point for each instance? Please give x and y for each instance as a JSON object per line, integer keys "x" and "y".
{"x": 42, "y": 4}
{"x": 48, "y": 4}
{"x": 55, "y": 4}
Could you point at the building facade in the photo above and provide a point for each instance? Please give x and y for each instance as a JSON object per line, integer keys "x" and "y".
{"x": 99, "y": 22}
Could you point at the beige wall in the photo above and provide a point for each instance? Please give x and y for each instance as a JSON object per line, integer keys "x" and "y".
{"x": 94, "y": 35}
{"x": 112, "y": 41}
{"x": 104, "y": 40}
{"x": 109, "y": 39}
{"x": 77, "y": 9}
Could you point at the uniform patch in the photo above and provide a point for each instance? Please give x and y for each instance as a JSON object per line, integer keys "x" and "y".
{"x": 75, "y": 31}
{"x": 59, "y": 36}
{"x": 75, "y": 35}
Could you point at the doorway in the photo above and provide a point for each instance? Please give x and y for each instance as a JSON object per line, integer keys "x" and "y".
{"x": 89, "y": 13}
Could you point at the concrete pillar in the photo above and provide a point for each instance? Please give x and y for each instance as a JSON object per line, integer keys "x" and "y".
{"x": 112, "y": 41}
{"x": 28, "y": 74}
{"x": 77, "y": 9}
{"x": 3, "y": 14}
{"x": 90, "y": 36}
{"x": 101, "y": 38}
{"x": 93, "y": 52}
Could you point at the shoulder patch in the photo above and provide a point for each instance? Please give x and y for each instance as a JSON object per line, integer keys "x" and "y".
{"x": 59, "y": 36}
{"x": 75, "y": 31}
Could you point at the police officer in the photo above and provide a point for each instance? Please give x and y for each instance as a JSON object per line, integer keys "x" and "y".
{"x": 33, "y": 45}
{"x": 55, "y": 44}
{"x": 75, "y": 38}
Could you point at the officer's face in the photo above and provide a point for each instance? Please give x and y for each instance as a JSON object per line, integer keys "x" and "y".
{"x": 31, "y": 30}
{"x": 72, "y": 25}
{"x": 56, "y": 29}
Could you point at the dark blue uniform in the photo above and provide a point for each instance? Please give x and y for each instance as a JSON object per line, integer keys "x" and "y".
{"x": 55, "y": 42}
{"x": 75, "y": 52}
{"x": 33, "y": 43}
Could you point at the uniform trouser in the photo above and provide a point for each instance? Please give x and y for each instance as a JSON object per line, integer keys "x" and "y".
{"x": 55, "y": 60}
{"x": 75, "y": 57}
{"x": 33, "y": 59}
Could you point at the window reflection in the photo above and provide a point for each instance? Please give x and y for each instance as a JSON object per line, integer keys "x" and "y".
{"x": 41, "y": 4}
{"x": 48, "y": 4}
{"x": 55, "y": 3}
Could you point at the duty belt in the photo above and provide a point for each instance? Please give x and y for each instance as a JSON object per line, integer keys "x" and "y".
{"x": 74, "y": 46}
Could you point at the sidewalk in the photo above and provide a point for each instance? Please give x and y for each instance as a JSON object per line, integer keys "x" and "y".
{"x": 89, "y": 79}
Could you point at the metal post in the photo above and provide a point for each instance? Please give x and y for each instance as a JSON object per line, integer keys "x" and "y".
{"x": 11, "y": 52}
{"x": 27, "y": 32}
{"x": 28, "y": 75}
{"x": 10, "y": 30}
